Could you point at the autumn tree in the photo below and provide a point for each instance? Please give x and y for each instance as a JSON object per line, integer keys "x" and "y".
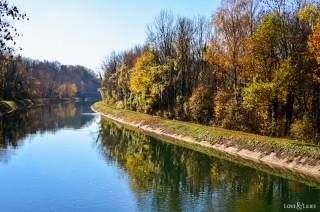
{"x": 232, "y": 26}
{"x": 253, "y": 67}
{"x": 8, "y": 33}
{"x": 161, "y": 35}
{"x": 311, "y": 14}
{"x": 142, "y": 79}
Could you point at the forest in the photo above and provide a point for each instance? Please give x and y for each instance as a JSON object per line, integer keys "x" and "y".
{"x": 26, "y": 78}
{"x": 253, "y": 66}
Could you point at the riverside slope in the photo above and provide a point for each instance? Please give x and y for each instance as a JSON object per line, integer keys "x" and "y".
{"x": 283, "y": 153}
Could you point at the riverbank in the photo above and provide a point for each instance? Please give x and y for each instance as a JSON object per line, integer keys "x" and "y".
{"x": 296, "y": 156}
{"x": 10, "y": 106}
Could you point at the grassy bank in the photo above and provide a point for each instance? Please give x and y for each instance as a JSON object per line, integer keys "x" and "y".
{"x": 289, "y": 151}
{"x": 9, "y": 106}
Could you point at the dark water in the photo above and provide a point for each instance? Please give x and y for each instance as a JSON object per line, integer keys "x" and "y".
{"x": 65, "y": 158}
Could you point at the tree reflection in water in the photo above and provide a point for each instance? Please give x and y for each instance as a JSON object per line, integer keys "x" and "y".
{"x": 16, "y": 126}
{"x": 172, "y": 178}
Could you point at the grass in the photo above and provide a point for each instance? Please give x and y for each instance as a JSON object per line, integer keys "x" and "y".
{"x": 9, "y": 106}
{"x": 282, "y": 147}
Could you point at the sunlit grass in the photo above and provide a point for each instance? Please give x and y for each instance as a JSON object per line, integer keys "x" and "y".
{"x": 7, "y": 106}
{"x": 215, "y": 135}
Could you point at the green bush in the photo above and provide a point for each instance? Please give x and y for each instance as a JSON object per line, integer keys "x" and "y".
{"x": 120, "y": 105}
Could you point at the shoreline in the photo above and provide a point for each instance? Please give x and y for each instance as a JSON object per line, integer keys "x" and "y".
{"x": 13, "y": 105}
{"x": 302, "y": 164}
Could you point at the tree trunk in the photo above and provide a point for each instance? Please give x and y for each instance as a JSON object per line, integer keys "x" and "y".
{"x": 289, "y": 113}
{"x": 274, "y": 115}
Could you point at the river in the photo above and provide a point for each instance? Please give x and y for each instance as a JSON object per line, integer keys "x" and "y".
{"x": 64, "y": 157}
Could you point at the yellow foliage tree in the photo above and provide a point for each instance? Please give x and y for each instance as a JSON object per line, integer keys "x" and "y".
{"x": 66, "y": 90}
{"x": 72, "y": 90}
{"x": 142, "y": 76}
{"x": 314, "y": 45}
{"x": 312, "y": 15}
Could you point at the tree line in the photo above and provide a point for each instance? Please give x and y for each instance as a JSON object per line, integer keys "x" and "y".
{"x": 22, "y": 78}
{"x": 254, "y": 67}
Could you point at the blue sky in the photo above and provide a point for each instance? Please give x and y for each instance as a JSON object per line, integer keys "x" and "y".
{"x": 83, "y": 32}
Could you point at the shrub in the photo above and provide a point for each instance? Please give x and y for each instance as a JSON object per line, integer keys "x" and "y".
{"x": 301, "y": 129}
{"x": 201, "y": 105}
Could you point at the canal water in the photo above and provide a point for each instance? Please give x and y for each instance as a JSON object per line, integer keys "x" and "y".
{"x": 64, "y": 157}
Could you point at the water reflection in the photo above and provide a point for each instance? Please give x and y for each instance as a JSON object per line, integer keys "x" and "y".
{"x": 16, "y": 126}
{"x": 172, "y": 178}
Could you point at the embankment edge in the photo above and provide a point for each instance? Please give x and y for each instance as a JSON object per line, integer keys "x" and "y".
{"x": 294, "y": 164}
